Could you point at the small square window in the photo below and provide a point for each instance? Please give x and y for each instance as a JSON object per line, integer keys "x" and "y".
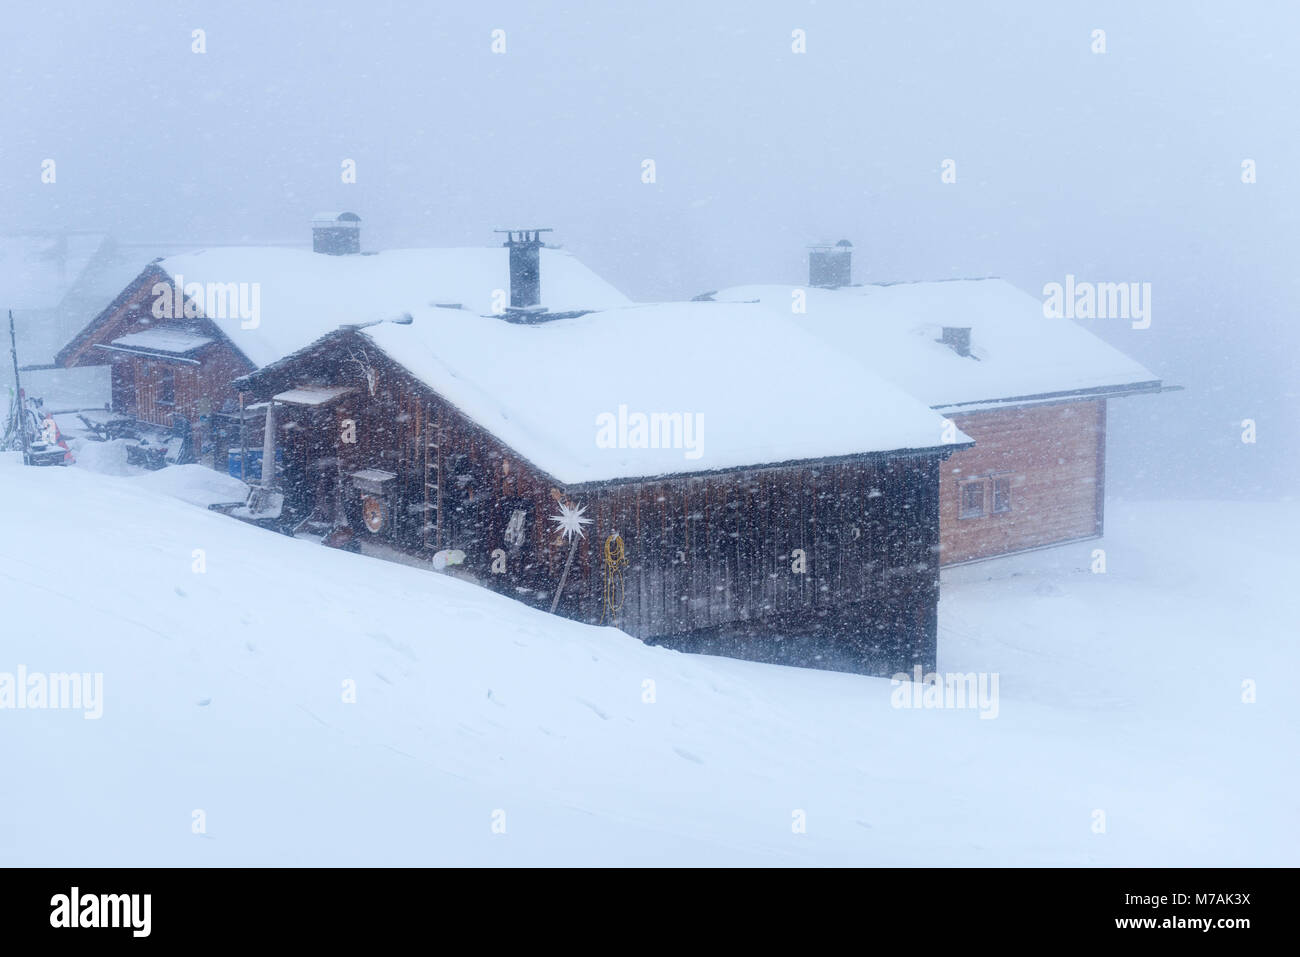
{"x": 971, "y": 504}
{"x": 1001, "y": 495}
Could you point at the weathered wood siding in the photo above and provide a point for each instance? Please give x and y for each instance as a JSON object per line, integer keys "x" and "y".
{"x": 1053, "y": 456}
{"x": 197, "y": 390}
{"x": 712, "y": 563}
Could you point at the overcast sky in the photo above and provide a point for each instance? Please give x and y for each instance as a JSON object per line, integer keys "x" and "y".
{"x": 1120, "y": 166}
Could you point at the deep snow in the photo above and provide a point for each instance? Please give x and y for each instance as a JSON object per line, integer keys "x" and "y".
{"x": 223, "y": 693}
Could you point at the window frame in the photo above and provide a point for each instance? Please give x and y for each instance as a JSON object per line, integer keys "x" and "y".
{"x": 1001, "y": 480}
{"x": 169, "y": 376}
{"x": 963, "y": 487}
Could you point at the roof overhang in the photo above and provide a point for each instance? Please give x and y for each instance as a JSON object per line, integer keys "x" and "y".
{"x": 1075, "y": 395}
{"x": 170, "y": 341}
{"x": 145, "y": 353}
{"x": 313, "y": 395}
{"x": 941, "y": 451}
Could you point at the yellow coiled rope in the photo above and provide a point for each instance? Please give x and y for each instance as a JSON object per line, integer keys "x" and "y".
{"x": 615, "y": 560}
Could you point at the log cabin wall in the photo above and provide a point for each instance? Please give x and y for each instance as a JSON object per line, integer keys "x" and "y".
{"x": 1035, "y": 477}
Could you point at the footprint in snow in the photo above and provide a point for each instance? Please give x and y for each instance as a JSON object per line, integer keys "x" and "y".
{"x": 687, "y": 755}
{"x": 600, "y": 714}
{"x": 204, "y": 702}
{"x": 179, "y": 591}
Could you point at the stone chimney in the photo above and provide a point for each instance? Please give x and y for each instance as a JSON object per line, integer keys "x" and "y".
{"x": 336, "y": 234}
{"x": 831, "y": 266}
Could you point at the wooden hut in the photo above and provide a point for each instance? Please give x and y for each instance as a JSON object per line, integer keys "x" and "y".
{"x": 696, "y": 474}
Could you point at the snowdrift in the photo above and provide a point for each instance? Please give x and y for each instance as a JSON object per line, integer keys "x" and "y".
{"x": 483, "y": 732}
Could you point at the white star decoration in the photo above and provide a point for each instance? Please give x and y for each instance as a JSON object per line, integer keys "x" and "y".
{"x": 570, "y": 521}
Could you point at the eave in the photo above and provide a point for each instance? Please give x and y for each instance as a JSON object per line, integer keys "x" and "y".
{"x": 1151, "y": 387}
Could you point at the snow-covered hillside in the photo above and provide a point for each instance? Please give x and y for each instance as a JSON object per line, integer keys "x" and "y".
{"x": 224, "y": 693}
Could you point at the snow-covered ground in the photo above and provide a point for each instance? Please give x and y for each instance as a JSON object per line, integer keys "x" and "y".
{"x": 223, "y": 693}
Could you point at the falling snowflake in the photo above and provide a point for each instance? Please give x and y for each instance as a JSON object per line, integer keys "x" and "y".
{"x": 570, "y": 521}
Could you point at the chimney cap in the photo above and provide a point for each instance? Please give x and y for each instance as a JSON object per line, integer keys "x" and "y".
{"x": 334, "y": 219}
{"x": 841, "y": 245}
{"x": 527, "y": 235}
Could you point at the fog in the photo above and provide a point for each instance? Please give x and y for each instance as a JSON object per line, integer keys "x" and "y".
{"x": 1117, "y": 166}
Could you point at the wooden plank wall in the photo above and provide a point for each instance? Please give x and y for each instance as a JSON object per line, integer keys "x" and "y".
{"x": 1054, "y": 456}
{"x": 197, "y": 388}
{"x": 148, "y": 375}
{"x": 704, "y": 553}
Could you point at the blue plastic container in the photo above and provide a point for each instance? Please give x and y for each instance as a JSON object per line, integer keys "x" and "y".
{"x": 254, "y": 466}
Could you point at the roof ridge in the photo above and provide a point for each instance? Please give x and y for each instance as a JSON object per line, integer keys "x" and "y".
{"x": 913, "y": 282}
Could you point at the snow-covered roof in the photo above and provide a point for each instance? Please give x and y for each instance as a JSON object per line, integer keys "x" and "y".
{"x": 1015, "y": 351}
{"x": 302, "y": 295}
{"x": 170, "y": 341}
{"x": 753, "y": 389}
